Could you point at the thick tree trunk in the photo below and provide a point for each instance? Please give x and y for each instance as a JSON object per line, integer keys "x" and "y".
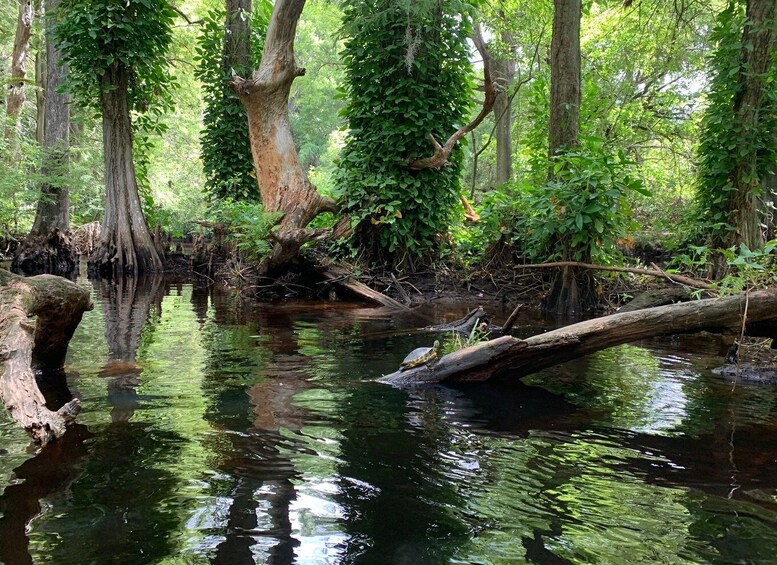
{"x": 53, "y": 212}
{"x": 38, "y": 346}
{"x": 518, "y": 358}
{"x": 21, "y": 51}
{"x": 565, "y": 75}
{"x": 758, "y": 39}
{"x": 282, "y": 183}
{"x": 504, "y": 74}
{"x": 126, "y": 245}
{"x": 48, "y": 248}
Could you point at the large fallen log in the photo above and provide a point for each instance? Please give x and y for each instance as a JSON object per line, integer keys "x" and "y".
{"x": 38, "y": 316}
{"x": 523, "y": 357}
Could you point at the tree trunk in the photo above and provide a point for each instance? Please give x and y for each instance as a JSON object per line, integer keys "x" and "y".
{"x": 48, "y": 249}
{"x": 282, "y": 183}
{"x": 38, "y": 346}
{"x": 21, "y": 51}
{"x": 504, "y": 73}
{"x": 237, "y": 39}
{"x": 518, "y": 358}
{"x": 758, "y": 38}
{"x": 126, "y": 245}
{"x": 53, "y": 211}
{"x": 565, "y": 75}
{"x": 572, "y": 291}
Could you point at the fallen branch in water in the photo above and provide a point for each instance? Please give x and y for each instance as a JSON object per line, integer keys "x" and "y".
{"x": 517, "y": 358}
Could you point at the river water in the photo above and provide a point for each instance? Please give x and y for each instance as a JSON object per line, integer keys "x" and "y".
{"x": 216, "y": 430}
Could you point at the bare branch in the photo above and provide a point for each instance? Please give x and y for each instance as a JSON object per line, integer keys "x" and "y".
{"x": 442, "y": 152}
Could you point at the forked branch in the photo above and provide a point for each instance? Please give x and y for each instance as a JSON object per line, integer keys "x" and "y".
{"x": 442, "y": 152}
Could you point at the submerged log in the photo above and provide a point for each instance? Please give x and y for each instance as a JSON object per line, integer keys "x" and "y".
{"x": 523, "y": 357}
{"x": 38, "y": 316}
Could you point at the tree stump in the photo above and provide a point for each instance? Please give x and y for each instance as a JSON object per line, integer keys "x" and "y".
{"x": 38, "y": 316}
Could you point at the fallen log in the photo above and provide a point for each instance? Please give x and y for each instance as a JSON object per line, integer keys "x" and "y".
{"x": 463, "y": 326}
{"x": 343, "y": 278}
{"x": 523, "y": 357}
{"x": 38, "y": 316}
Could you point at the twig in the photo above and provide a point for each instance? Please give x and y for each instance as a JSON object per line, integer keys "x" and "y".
{"x": 511, "y": 319}
{"x": 662, "y": 274}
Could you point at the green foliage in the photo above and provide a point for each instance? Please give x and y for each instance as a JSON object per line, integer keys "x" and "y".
{"x": 18, "y": 189}
{"x": 457, "y": 341}
{"x": 755, "y": 268}
{"x": 224, "y": 143}
{"x": 314, "y": 109}
{"x": 582, "y": 211}
{"x": 248, "y": 226}
{"x": 727, "y": 144}
{"x": 407, "y": 75}
{"x": 95, "y": 35}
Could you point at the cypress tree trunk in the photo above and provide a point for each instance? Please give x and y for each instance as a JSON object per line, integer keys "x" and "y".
{"x": 52, "y": 212}
{"x": 572, "y": 290}
{"x": 237, "y": 39}
{"x": 48, "y": 249}
{"x": 126, "y": 245}
{"x": 565, "y": 75}
{"x": 504, "y": 73}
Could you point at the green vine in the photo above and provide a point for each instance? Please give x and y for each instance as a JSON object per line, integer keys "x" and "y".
{"x": 407, "y": 75}
{"x": 224, "y": 144}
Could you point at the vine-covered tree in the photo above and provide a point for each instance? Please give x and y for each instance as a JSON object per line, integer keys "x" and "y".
{"x": 408, "y": 77}
{"x": 116, "y": 55}
{"x": 738, "y": 149}
{"x": 572, "y": 288}
{"x": 231, "y": 41}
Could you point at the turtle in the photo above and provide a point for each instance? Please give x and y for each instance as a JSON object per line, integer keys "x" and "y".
{"x": 420, "y": 356}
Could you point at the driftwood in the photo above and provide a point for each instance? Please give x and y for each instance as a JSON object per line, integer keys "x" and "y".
{"x": 523, "y": 357}
{"x": 38, "y": 316}
{"x": 463, "y": 326}
{"x": 657, "y": 297}
{"x": 343, "y": 278}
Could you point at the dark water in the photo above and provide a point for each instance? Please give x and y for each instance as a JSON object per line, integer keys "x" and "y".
{"x": 219, "y": 431}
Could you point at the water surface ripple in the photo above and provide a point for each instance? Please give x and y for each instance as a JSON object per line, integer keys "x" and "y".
{"x": 220, "y": 431}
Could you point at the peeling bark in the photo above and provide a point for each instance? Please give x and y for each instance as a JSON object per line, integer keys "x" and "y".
{"x": 282, "y": 182}
{"x": 37, "y": 346}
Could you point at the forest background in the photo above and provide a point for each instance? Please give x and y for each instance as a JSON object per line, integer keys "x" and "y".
{"x": 673, "y": 142}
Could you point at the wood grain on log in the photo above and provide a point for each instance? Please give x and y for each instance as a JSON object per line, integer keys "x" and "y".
{"x": 38, "y": 316}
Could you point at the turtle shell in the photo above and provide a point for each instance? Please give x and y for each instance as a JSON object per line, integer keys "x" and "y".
{"x": 418, "y": 357}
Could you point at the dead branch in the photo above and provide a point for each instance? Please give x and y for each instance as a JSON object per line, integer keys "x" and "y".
{"x": 442, "y": 152}
{"x": 516, "y": 358}
{"x": 695, "y": 283}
